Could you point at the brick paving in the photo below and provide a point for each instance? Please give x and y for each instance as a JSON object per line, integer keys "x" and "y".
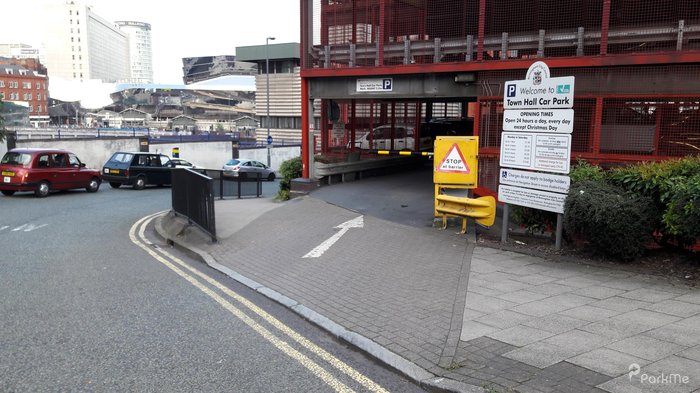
{"x": 490, "y": 318}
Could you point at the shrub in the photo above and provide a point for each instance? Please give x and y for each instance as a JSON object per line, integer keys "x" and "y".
{"x": 533, "y": 220}
{"x": 582, "y": 171}
{"x": 616, "y": 223}
{"x": 682, "y": 217}
{"x": 290, "y": 169}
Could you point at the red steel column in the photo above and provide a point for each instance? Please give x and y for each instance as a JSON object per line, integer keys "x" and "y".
{"x": 382, "y": 32}
{"x": 306, "y": 147}
{"x": 604, "y": 27}
{"x": 482, "y": 28}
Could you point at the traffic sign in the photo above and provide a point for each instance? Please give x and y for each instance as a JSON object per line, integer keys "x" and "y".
{"x": 269, "y": 139}
{"x": 455, "y": 160}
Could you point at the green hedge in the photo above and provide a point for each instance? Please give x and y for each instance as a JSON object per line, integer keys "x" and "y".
{"x": 617, "y": 223}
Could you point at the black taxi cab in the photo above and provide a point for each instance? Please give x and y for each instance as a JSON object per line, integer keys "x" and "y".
{"x": 137, "y": 169}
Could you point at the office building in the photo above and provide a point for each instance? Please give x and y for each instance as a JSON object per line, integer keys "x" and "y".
{"x": 140, "y": 50}
{"x": 80, "y": 45}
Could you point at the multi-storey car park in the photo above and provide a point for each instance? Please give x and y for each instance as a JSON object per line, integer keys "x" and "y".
{"x": 636, "y": 66}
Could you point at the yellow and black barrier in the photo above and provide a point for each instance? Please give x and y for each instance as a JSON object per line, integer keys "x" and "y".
{"x": 482, "y": 210}
{"x": 401, "y": 153}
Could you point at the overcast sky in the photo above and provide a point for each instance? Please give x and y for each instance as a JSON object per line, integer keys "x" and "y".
{"x": 178, "y": 29}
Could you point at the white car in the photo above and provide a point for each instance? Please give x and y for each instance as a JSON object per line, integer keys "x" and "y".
{"x": 180, "y": 163}
{"x": 243, "y": 168}
{"x": 380, "y": 139}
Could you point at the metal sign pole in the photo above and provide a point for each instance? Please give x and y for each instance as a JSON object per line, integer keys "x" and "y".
{"x": 504, "y": 228}
{"x": 560, "y": 231}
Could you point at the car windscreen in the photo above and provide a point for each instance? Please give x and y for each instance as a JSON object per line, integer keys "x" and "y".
{"x": 14, "y": 158}
{"x": 233, "y": 162}
{"x": 124, "y": 158}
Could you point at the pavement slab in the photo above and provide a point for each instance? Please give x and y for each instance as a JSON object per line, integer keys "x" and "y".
{"x": 435, "y": 306}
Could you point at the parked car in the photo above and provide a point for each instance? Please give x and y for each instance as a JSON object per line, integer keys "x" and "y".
{"x": 45, "y": 170}
{"x": 180, "y": 163}
{"x": 243, "y": 168}
{"x": 138, "y": 169}
{"x": 380, "y": 139}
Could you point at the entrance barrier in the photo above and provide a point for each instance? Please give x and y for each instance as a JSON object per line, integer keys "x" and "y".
{"x": 483, "y": 209}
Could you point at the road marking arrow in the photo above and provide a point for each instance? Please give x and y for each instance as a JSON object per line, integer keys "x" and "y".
{"x": 344, "y": 227}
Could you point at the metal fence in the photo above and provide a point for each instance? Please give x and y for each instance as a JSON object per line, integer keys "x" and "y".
{"x": 237, "y": 187}
{"x": 193, "y": 197}
{"x": 369, "y": 33}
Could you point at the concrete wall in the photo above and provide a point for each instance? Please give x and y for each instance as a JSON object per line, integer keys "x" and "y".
{"x": 277, "y": 155}
{"x": 93, "y": 152}
{"x": 210, "y": 155}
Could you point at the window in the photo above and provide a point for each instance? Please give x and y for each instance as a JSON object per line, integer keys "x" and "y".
{"x": 26, "y": 85}
{"x": 29, "y": 96}
{"x": 2, "y": 95}
{"x": 2, "y": 83}
{"x": 59, "y": 160}
{"x": 38, "y": 97}
{"x": 39, "y": 108}
{"x": 31, "y": 109}
{"x": 73, "y": 161}
{"x": 43, "y": 161}
{"x": 38, "y": 86}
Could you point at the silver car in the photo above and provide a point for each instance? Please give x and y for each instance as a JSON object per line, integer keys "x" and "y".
{"x": 242, "y": 168}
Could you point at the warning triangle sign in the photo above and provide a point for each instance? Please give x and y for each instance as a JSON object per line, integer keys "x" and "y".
{"x": 454, "y": 162}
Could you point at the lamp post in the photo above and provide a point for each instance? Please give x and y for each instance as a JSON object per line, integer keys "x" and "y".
{"x": 267, "y": 95}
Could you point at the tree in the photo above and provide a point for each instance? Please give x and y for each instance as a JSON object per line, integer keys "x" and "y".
{"x": 3, "y": 132}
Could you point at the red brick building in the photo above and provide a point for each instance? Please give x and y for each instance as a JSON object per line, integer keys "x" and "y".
{"x": 25, "y": 81}
{"x": 636, "y": 64}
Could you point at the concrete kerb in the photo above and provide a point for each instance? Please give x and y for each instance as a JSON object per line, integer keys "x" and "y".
{"x": 411, "y": 370}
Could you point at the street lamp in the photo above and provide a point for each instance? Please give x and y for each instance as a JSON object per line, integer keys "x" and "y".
{"x": 267, "y": 95}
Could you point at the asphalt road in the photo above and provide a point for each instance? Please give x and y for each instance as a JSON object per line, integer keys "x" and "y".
{"x": 88, "y": 303}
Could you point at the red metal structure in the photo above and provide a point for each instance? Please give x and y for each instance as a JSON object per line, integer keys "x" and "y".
{"x": 637, "y": 69}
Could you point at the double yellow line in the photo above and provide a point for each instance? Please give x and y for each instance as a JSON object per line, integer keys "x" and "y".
{"x": 137, "y": 236}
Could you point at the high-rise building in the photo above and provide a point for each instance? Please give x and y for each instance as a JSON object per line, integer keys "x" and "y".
{"x": 81, "y": 45}
{"x": 140, "y": 50}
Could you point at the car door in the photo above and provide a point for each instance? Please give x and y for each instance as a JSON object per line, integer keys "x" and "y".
{"x": 81, "y": 174}
{"x": 63, "y": 176}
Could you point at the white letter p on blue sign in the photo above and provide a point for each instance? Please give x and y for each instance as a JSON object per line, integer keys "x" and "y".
{"x": 386, "y": 84}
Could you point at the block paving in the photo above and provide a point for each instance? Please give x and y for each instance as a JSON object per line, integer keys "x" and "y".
{"x": 492, "y": 318}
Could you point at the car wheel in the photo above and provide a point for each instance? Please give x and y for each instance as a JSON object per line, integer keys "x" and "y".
{"x": 115, "y": 184}
{"x": 271, "y": 176}
{"x": 42, "y": 189}
{"x": 8, "y": 192}
{"x": 140, "y": 183}
{"x": 93, "y": 186}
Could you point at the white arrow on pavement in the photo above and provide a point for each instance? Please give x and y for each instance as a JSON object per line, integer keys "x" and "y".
{"x": 344, "y": 227}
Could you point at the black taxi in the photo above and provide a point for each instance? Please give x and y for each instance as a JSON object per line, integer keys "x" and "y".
{"x": 137, "y": 169}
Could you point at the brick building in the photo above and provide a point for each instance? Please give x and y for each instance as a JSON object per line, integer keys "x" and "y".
{"x": 24, "y": 82}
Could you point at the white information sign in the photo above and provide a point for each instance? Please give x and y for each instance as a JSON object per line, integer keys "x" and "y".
{"x": 537, "y": 199}
{"x": 541, "y": 152}
{"x": 540, "y": 93}
{"x": 536, "y": 180}
{"x": 375, "y": 85}
{"x": 539, "y": 120}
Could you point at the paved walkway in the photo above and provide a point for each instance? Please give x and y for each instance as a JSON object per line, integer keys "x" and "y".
{"x": 455, "y": 315}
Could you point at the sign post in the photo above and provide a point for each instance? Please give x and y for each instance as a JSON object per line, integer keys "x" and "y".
{"x": 539, "y": 118}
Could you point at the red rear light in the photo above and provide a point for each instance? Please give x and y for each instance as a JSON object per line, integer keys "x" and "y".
{"x": 126, "y": 173}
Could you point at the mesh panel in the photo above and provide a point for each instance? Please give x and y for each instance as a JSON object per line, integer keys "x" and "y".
{"x": 345, "y": 33}
{"x": 652, "y": 26}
